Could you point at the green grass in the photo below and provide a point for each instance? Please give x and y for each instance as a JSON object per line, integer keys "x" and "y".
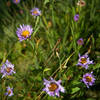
{"x": 52, "y": 50}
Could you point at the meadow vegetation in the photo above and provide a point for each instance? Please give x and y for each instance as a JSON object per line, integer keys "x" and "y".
{"x": 51, "y": 50}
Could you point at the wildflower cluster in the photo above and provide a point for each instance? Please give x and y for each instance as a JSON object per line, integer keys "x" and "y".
{"x": 51, "y": 87}
{"x": 7, "y": 69}
{"x": 84, "y": 62}
{"x": 23, "y": 32}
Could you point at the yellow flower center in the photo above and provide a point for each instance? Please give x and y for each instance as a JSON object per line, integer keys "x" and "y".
{"x": 25, "y": 33}
{"x": 35, "y": 12}
{"x": 9, "y": 91}
{"x": 53, "y": 87}
{"x": 83, "y": 60}
{"x": 8, "y": 69}
{"x": 16, "y": 0}
{"x": 80, "y": 41}
{"x": 88, "y": 78}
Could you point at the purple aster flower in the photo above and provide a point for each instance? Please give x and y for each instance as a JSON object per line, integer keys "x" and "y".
{"x": 7, "y": 69}
{"x": 76, "y": 17}
{"x": 24, "y": 32}
{"x": 9, "y": 91}
{"x": 84, "y": 61}
{"x": 53, "y": 87}
{"x": 35, "y": 12}
{"x": 80, "y": 41}
{"x": 88, "y": 79}
{"x": 16, "y": 1}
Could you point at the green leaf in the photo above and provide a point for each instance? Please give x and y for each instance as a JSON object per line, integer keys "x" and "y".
{"x": 46, "y": 69}
{"x": 45, "y": 2}
{"x": 96, "y": 66}
{"x": 74, "y": 90}
{"x": 76, "y": 82}
{"x": 1, "y": 55}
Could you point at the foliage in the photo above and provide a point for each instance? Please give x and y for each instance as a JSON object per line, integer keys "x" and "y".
{"x": 52, "y": 49}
